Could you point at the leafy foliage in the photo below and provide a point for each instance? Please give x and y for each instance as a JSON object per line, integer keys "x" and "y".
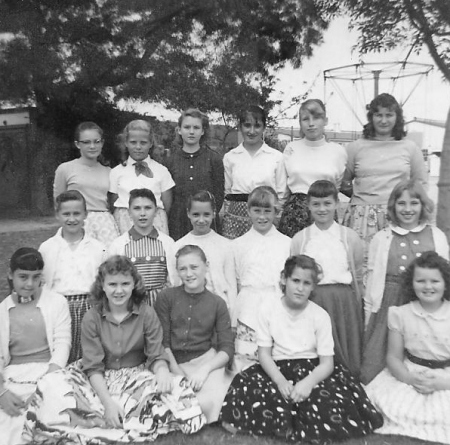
{"x": 211, "y": 54}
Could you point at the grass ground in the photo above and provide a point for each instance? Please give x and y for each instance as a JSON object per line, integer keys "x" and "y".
{"x": 210, "y": 435}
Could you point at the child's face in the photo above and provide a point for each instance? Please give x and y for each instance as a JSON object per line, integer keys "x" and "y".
{"x": 192, "y": 271}
{"x": 408, "y": 210}
{"x": 262, "y": 217}
{"x": 252, "y": 131}
{"x": 429, "y": 286}
{"x": 191, "y": 130}
{"x": 298, "y": 288}
{"x": 384, "y": 121}
{"x": 142, "y": 211}
{"x": 26, "y": 282}
{"x": 90, "y": 144}
{"x": 322, "y": 209}
{"x": 71, "y": 216}
{"x": 118, "y": 289}
{"x": 201, "y": 216}
{"x": 312, "y": 125}
{"x": 138, "y": 144}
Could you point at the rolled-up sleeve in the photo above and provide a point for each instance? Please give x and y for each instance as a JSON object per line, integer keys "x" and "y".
{"x": 153, "y": 333}
{"x": 163, "y": 307}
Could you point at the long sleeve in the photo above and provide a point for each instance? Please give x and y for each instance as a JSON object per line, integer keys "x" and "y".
{"x": 225, "y": 341}
{"x": 227, "y": 174}
{"x": 93, "y": 352}
{"x": 163, "y": 308}
{"x": 418, "y": 168}
{"x": 60, "y": 182}
{"x": 153, "y": 334}
{"x": 218, "y": 180}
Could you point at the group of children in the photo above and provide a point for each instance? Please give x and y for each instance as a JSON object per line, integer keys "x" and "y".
{"x": 266, "y": 334}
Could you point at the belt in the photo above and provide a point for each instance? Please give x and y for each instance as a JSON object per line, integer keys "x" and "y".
{"x": 433, "y": 364}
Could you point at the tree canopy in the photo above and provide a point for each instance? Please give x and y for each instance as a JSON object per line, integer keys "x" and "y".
{"x": 85, "y": 55}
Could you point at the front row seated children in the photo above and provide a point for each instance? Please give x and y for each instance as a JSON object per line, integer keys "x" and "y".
{"x": 413, "y": 393}
{"x": 71, "y": 261}
{"x": 149, "y": 249}
{"x": 339, "y": 251}
{"x": 221, "y": 276}
{"x": 259, "y": 255}
{"x": 197, "y": 332}
{"x": 296, "y": 392}
{"x": 34, "y": 340}
{"x": 124, "y": 391}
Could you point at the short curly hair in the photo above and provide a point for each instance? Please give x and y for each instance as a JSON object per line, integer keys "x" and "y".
{"x": 114, "y": 265}
{"x": 303, "y": 262}
{"x": 428, "y": 260}
{"x": 385, "y": 100}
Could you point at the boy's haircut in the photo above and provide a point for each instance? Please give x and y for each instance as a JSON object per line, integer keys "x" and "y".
{"x": 428, "y": 260}
{"x": 26, "y": 258}
{"x": 69, "y": 195}
{"x": 322, "y": 189}
{"x": 255, "y": 112}
{"x": 416, "y": 190}
{"x": 87, "y": 126}
{"x": 112, "y": 266}
{"x": 385, "y": 100}
{"x": 262, "y": 196}
{"x": 314, "y": 106}
{"x": 202, "y": 196}
{"x": 191, "y": 248}
{"x": 141, "y": 193}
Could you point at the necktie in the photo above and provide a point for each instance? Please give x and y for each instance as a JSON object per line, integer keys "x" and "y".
{"x": 141, "y": 167}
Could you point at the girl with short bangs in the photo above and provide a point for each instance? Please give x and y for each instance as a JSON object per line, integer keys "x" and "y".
{"x": 391, "y": 250}
{"x": 194, "y": 167}
{"x": 413, "y": 392}
{"x": 122, "y": 390}
{"x": 308, "y": 160}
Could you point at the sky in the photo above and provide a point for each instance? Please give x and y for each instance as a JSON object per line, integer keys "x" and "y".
{"x": 430, "y": 99}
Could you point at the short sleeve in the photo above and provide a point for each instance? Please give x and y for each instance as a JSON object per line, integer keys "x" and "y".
{"x": 166, "y": 182}
{"x": 324, "y": 335}
{"x": 395, "y": 319}
{"x": 263, "y": 335}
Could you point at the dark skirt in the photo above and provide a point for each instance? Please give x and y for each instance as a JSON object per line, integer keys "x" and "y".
{"x": 337, "y": 408}
{"x": 236, "y": 221}
{"x": 295, "y": 216}
{"x": 340, "y": 301}
{"x": 376, "y": 333}
{"x": 78, "y": 306}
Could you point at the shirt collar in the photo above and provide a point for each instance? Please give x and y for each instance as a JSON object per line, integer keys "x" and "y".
{"x": 333, "y": 229}
{"x": 272, "y": 231}
{"x": 136, "y": 236}
{"x": 132, "y": 162}
{"x": 107, "y": 314}
{"x": 264, "y": 148}
{"x": 440, "y": 314}
{"x": 401, "y": 231}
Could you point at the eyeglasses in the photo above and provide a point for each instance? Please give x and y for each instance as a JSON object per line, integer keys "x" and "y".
{"x": 96, "y": 142}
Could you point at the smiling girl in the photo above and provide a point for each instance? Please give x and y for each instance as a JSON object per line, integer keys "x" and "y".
{"x": 391, "y": 250}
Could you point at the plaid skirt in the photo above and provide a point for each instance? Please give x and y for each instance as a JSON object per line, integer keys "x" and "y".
{"x": 68, "y": 410}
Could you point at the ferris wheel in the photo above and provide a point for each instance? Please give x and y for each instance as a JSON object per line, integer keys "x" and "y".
{"x": 357, "y": 84}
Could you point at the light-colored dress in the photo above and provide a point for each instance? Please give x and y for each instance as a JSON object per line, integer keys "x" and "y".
{"x": 93, "y": 183}
{"x": 259, "y": 260}
{"x": 406, "y": 411}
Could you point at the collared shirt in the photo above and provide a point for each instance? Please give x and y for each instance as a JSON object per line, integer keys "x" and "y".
{"x": 108, "y": 344}
{"x": 189, "y": 322}
{"x": 123, "y": 179}
{"x": 244, "y": 172}
{"x": 425, "y": 334}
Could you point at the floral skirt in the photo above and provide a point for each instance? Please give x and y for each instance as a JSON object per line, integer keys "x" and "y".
{"x": 409, "y": 413}
{"x": 101, "y": 226}
{"x": 124, "y": 221}
{"x": 236, "y": 221}
{"x": 337, "y": 408}
{"x": 296, "y": 215}
{"x": 67, "y": 409}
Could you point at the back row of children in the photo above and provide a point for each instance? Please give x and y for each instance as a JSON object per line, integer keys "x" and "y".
{"x": 258, "y": 256}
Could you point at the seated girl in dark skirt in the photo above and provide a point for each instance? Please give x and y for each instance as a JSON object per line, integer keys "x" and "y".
{"x": 296, "y": 392}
